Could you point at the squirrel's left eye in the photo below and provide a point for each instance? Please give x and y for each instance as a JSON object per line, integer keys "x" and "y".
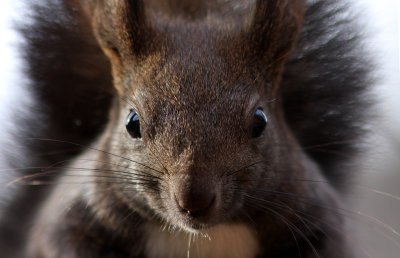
{"x": 133, "y": 124}
{"x": 259, "y": 123}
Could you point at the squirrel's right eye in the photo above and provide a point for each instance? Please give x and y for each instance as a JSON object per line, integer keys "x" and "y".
{"x": 133, "y": 124}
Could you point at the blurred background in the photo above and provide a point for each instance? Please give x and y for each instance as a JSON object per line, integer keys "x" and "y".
{"x": 376, "y": 195}
{"x": 375, "y": 202}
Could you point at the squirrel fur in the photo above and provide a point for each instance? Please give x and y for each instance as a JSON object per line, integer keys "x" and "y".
{"x": 195, "y": 183}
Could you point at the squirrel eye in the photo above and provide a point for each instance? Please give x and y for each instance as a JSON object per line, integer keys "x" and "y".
{"x": 133, "y": 124}
{"x": 259, "y": 122}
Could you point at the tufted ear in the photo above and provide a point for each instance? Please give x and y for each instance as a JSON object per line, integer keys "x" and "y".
{"x": 275, "y": 27}
{"x": 122, "y": 31}
{"x": 273, "y": 33}
{"x": 121, "y": 25}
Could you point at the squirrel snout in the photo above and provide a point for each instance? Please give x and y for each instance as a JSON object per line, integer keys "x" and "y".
{"x": 194, "y": 198}
{"x": 196, "y": 205}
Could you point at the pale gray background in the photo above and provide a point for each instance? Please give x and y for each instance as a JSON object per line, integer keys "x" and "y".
{"x": 380, "y": 169}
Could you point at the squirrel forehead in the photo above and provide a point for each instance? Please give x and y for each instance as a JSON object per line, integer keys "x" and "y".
{"x": 204, "y": 66}
{"x": 182, "y": 81}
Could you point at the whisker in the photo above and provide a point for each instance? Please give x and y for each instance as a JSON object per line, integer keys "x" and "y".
{"x": 18, "y": 179}
{"x": 120, "y": 166}
{"x": 241, "y": 169}
{"x": 103, "y": 171}
{"x": 289, "y": 223}
{"x": 364, "y": 187}
{"x": 295, "y": 211}
{"x": 286, "y": 223}
{"x": 370, "y": 220}
{"x": 102, "y": 151}
{"x": 286, "y": 207}
{"x": 41, "y": 182}
{"x": 310, "y": 147}
{"x": 60, "y": 151}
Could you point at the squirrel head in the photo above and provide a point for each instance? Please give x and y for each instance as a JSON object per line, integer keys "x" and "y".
{"x": 195, "y": 97}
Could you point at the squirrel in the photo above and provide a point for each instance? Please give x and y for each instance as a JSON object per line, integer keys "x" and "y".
{"x": 189, "y": 129}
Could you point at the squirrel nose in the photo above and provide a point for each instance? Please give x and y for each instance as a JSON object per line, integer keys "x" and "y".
{"x": 196, "y": 205}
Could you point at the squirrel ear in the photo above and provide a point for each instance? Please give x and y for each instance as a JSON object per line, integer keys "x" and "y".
{"x": 121, "y": 25}
{"x": 275, "y": 27}
{"x": 122, "y": 31}
{"x": 272, "y": 36}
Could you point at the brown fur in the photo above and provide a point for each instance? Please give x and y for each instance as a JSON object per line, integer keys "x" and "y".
{"x": 196, "y": 80}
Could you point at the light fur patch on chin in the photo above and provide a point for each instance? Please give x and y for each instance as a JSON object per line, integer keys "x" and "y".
{"x": 222, "y": 241}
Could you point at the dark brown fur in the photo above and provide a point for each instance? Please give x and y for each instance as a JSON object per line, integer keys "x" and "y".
{"x": 196, "y": 79}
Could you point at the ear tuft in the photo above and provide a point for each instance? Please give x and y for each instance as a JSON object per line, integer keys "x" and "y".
{"x": 120, "y": 26}
{"x": 123, "y": 33}
{"x": 275, "y": 27}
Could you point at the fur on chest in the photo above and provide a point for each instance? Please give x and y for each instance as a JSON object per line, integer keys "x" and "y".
{"x": 228, "y": 240}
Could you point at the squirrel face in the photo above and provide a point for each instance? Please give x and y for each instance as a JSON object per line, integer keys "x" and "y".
{"x": 195, "y": 133}
{"x": 194, "y": 101}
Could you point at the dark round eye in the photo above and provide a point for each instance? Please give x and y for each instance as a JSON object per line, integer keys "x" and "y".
{"x": 133, "y": 124}
{"x": 259, "y": 123}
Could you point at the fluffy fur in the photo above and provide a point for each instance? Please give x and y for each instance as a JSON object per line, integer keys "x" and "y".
{"x": 193, "y": 72}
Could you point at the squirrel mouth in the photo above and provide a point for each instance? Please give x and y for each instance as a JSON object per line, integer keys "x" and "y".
{"x": 196, "y": 227}
{"x": 195, "y": 222}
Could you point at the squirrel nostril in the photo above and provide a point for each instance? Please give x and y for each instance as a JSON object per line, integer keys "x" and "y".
{"x": 198, "y": 205}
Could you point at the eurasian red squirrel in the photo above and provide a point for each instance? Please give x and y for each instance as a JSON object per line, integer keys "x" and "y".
{"x": 197, "y": 128}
